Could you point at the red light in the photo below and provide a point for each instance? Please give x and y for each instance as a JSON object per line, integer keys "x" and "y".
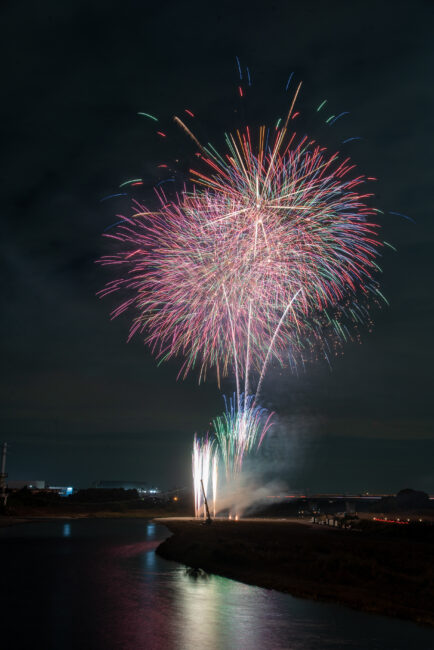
{"x": 390, "y": 521}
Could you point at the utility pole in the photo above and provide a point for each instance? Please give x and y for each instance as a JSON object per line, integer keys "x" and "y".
{"x": 208, "y": 519}
{"x": 3, "y": 475}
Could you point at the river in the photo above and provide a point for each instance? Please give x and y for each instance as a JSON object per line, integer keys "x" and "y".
{"x": 97, "y": 584}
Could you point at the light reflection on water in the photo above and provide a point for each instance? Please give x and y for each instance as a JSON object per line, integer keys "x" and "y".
{"x": 99, "y": 584}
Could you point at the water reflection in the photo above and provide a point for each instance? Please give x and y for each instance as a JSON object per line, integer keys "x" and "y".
{"x": 100, "y": 585}
{"x": 199, "y": 606}
{"x": 150, "y": 530}
{"x": 150, "y": 558}
{"x": 221, "y": 613}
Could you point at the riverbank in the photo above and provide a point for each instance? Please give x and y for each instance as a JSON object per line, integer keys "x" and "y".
{"x": 384, "y": 571}
{"x": 41, "y": 515}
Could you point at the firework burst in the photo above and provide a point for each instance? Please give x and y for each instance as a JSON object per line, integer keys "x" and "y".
{"x": 270, "y": 254}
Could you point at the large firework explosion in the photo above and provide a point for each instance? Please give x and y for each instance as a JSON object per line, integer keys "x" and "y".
{"x": 269, "y": 255}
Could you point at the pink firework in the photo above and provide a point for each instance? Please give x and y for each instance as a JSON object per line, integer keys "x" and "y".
{"x": 269, "y": 255}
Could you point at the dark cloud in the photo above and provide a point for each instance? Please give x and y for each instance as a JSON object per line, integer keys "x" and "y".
{"x": 76, "y": 399}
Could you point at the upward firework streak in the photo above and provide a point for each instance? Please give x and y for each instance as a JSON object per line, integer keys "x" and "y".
{"x": 269, "y": 256}
{"x": 205, "y": 467}
{"x": 240, "y": 430}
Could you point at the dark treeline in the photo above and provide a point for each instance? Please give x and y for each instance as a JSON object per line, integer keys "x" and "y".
{"x": 91, "y": 500}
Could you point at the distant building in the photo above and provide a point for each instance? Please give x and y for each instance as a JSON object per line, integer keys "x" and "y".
{"x": 141, "y": 487}
{"x": 40, "y": 486}
{"x": 64, "y": 491}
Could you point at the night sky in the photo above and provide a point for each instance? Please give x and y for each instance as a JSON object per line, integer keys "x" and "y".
{"x": 78, "y": 403}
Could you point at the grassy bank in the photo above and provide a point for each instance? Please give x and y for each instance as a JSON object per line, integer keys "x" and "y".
{"x": 385, "y": 570}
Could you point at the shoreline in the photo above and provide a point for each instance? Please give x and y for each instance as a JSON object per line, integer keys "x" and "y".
{"x": 12, "y": 520}
{"x": 375, "y": 573}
